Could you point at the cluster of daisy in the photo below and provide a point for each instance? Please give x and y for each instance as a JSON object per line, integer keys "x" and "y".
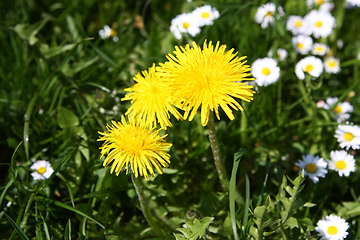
{"x": 108, "y": 32}
{"x": 348, "y": 136}
{"x": 317, "y": 24}
{"x": 193, "y": 79}
{"x": 191, "y": 23}
{"x": 315, "y": 167}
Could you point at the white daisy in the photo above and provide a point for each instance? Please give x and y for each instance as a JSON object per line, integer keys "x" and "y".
{"x": 321, "y": 104}
{"x": 295, "y": 24}
{"x": 265, "y": 71}
{"x": 353, "y": 2}
{"x": 348, "y": 136}
{"x": 185, "y": 23}
{"x": 314, "y": 167}
{"x": 319, "y": 49}
{"x": 310, "y": 65}
{"x": 302, "y": 44}
{"x": 321, "y": 23}
{"x": 43, "y": 170}
{"x": 265, "y": 14}
{"x": 324, "y": 5}
{"x": 281, "y": 54}
{"x": 342, "y": 162}
{"x": 342, "y": 109}
{"x": 332, "y": 65}
{"x": 206, "y": 15}
{"x": 332, "y": 228}
{"x": 108, "y": 32}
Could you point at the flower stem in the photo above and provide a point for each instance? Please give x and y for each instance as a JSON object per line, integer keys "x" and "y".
{"x": 215, "y": 147}
{"x": 145, "y": 207}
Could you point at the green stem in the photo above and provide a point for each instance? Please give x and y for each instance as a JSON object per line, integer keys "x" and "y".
{"x": 305, "y": 91}
{"x": 145, "y": 206}
{"x": 215, "y": 147}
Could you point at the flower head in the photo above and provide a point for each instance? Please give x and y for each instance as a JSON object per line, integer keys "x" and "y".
{"x": 134, "y": 146}
{"x": 324, "y": 5}
{"x": 321, "y": 23}
{"x": 151, "y": 101}
{"x": 302, "y": 44}
{"x": 43, "y": 170}
{"x": 310, "y": 65}
{"x": 265, "y": 71}
{"x": 314, "y": 167}
{"x": 281, "y": 54}
{"x": 319, "y": 49}
{"x": 353, "y": 3}
{"x": 208, "y": 78}
{"x": 332, "y": 65}
{"x": 341, "y": 110}
{"x": 185, "y": 23}
{"x": 342, "y": 162}
{"x": 295, "y": 24}
{"x": 332, "y": 228}
{"x": 348, "y": 136}
{"x": 206, "y": 15}
{"x": 108, "y": 32}
{"x": 265, "y": 14}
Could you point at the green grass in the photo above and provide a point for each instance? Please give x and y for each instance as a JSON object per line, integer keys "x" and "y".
{"x": 61, "y": 84}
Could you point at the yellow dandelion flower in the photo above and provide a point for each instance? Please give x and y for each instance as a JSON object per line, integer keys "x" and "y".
{"x": 150, "y": 100}
{"x": 134, "y": 147}
{"x": 208, "y": 78}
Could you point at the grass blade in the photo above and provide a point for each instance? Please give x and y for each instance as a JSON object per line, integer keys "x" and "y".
{"x": 67, "y": 207}
{"x": 16, "y": 227}
{"x": 232, "y": 191}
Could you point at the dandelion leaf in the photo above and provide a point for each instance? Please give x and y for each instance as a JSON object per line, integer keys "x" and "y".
{"x": 48, "y": 52}
{"x": 28, "y": 32}
{"x": 66, "y": 118}
{"x": 195, "y": 229}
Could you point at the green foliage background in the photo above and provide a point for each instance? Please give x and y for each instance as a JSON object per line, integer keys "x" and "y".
{"x": 61, "y": 84}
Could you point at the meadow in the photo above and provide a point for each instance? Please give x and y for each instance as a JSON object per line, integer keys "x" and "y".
{"x": 215, "y": 119}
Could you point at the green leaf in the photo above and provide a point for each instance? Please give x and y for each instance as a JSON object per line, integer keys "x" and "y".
{"x": 28, "y": 32}
{"x": 66, "y": 118}
{"x": 70, "y": 71}
{"x": 63, "y": 205}
{"x": 17, "y": 228}
{"x": 291, "y": 222}
{"x": 195, "y": 229}
{"x": 48, "y": 52}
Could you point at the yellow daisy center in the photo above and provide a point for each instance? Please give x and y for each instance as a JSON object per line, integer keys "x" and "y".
{"x": 348, "y": 136}
{"x": 338, "y": 110}
{"x": 113, "y": 33}
{"x": 319, "y": 2}
{"x": 318, "y": 24}
{"x": 186, "y": 25}
{"x": 308, "y": 68}
{"x": 340, "y": 165}
{"x": 265, "y": 71}
{"x": 319, "y": 49}
{"x": 332, "y": 230}
{"x": 205, "y": 15}
{"x": 311, "y": 168}
{"x": 41, "y": 170}
{"x": 300, "y": 46}
{"x": 269, "y": 14}
{"x": 298, "y": 23}
{"x": 332, "y": 63}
